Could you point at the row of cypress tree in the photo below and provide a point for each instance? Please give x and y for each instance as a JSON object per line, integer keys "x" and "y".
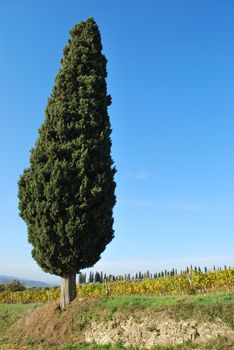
{"x": 100, "y": 277}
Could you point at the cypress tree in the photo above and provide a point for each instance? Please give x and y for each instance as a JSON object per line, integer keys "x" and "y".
{"x": 96, "y": 277}
{"x": 66, "y": 196}
{"x": 101, "y": 277}
{"x": 91, "y": 277}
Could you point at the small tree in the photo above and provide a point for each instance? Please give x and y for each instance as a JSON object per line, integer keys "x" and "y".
{"x": 15, "y": 286}
{"x": 66, "y": 196}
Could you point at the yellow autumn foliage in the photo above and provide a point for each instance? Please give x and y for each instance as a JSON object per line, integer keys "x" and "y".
{"x": 192, "y": 283}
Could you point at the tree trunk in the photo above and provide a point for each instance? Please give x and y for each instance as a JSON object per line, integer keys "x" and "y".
{"x": 68, "y": 290}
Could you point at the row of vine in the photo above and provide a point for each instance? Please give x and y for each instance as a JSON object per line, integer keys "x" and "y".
{"x": 192, "y": 283}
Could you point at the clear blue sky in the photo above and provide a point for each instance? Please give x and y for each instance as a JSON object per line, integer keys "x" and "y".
{"x": 171, "y": 77}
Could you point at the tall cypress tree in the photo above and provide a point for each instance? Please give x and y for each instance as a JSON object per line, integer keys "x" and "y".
{"x": 66, "y": 196}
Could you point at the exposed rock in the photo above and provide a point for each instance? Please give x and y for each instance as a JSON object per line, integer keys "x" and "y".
{"x": 149, "y": 331}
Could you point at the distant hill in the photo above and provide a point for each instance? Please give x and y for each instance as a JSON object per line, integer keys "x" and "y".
{"x": 30, "y": 283}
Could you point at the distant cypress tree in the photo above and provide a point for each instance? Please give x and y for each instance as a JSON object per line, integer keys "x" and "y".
{"x": 101, "y": 277}
{"x": 97, "y": 278}
{"x": 91, "y": 277}
{"x": 80, "y": 279}
{"x": 66, "y": 196}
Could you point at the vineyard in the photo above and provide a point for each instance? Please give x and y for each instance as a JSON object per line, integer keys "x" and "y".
{"x": 193, "y": 282}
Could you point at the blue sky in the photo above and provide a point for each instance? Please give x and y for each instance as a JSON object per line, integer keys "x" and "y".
{"x": 171, "y": 77}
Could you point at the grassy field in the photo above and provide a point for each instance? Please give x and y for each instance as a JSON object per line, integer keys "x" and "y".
{"x": 199, "y": 307}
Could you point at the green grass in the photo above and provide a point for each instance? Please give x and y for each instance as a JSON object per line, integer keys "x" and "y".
{"x": 207, "y": 308}
{"x": 140, "y": 302}
{"x": 9, "y": 313}
{"x": 92, "y": 347}
{"x": 160, "y": 302}
{"x": 221, "y": 343}
{"x": 207, "y": 312}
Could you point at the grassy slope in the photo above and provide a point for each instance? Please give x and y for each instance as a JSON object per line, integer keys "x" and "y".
{"x": 201, "y": 307}
{"x": 10, "y": 313}
{"x": 165, "y": 301}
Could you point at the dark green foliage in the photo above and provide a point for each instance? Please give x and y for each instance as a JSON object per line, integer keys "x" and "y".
{"x": 14, "y": 286}
{"x": 82, "y": 278}
{"x": 66, "y": 196}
